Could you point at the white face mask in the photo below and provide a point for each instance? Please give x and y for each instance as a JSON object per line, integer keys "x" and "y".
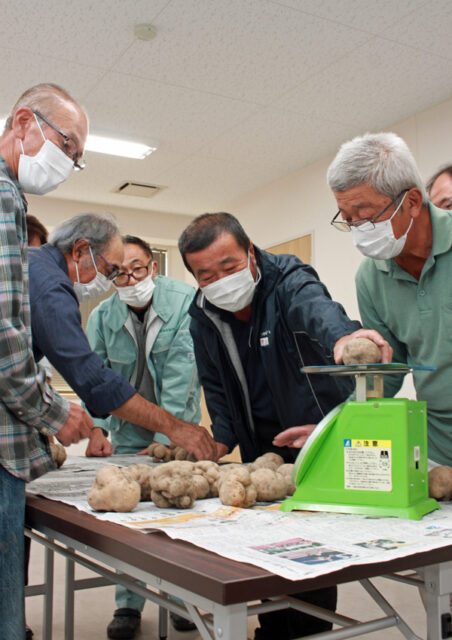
{"x": 43, "y": 172}
{"x": 234, "y": 292}
{"x": 99, "y": 285}
{"x": 380, "y": 242}
{"x": 139, "y": 294}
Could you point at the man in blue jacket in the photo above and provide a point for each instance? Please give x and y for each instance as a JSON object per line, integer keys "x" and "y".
{"x": 256, "y": 320}
{"x": 142, "y": 332}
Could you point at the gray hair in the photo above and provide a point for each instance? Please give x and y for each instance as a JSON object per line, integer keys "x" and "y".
{"x": 98, "y": 230}
{"x": 45, "y": 98}
{"x": 381, "y": 160}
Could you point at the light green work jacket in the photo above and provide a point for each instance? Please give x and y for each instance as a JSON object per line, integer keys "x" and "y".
{"x": 416, "y": 318}
{"x": 169, "y": 356}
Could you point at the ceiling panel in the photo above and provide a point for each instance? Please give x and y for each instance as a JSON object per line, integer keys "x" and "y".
{"x": 89, "y": 32}
{"x": 170, "y": 116}
{"x": 372, "y": 16}
{"x": 374, "y": 87}
{"x": 234, "y": 93}
{"x": 248, "y": 50}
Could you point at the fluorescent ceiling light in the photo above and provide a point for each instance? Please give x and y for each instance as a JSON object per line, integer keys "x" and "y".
{"x": 112, "y": 146}
{"x": 115, "y": 147}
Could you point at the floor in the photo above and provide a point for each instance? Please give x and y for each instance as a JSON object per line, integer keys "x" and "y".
{"x": 94, "y": 608}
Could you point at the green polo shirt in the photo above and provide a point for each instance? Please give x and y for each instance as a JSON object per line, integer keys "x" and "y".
{"x": 416, "y": 318}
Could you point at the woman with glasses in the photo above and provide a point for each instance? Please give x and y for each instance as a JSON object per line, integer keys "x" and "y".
{"x": 143, "y": 333}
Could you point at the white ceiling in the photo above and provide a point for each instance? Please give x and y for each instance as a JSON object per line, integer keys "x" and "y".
{"x": 235, "y": 93}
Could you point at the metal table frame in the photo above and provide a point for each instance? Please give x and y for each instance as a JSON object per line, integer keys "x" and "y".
{"x": 215, "y": 591}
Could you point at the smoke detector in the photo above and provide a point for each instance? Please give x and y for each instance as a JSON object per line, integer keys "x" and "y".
{"x": 139, "y": 189}
{"x": 144, "y": 31}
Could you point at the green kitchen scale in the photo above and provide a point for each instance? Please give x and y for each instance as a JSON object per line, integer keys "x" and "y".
{"x": 366, "y": 456}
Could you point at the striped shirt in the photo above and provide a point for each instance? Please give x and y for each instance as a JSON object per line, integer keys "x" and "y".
{"x": 30, "y": 410}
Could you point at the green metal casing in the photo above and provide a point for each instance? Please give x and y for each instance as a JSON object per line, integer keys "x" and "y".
{"x": 366, "y": 458}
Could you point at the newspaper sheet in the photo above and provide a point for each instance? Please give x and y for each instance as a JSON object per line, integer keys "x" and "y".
{"x": 294, "y": 545}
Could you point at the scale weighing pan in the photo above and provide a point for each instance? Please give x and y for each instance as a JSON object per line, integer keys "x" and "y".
{"x": 366, "y": 456}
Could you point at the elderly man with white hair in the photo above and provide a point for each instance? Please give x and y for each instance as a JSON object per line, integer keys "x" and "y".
{"x": 404, "y": 284}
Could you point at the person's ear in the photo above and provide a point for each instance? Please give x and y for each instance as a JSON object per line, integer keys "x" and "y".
{"x": 154, "y": 269}
{"x": 413, "y": 202}
{"x": 22, "y": 120}
{"x": 80, "y": 247}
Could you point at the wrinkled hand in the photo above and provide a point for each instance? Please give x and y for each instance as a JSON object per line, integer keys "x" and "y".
{"x": 370, "y": 334}
{"x": 222, "y": 450}
{"x": 196, "y": 440}
{"x": 99, "y": 446}
{"x": 294, "y": 437}
{"x": 77, "y": 426}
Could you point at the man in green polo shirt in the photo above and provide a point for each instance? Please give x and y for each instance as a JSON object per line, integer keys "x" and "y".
{"x": 404, "y": 285}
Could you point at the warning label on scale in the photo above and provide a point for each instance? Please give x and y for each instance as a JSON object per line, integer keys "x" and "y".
{"x": 367, "y": 465}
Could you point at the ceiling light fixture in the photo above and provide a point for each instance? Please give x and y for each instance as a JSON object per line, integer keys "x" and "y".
{"x": 115, "y": 147}
{"x": 112, "y": 146}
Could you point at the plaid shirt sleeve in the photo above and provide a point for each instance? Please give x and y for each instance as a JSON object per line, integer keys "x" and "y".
{"x": 25, "y": 396}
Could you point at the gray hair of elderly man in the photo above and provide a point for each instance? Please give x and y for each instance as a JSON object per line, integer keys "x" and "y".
{"x": 44, "y": 97}
{"x": 381, "y": 160}
{"x": 97, "y": 229}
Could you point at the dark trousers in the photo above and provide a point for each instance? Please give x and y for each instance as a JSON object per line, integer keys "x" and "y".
{"x": 288, "y": 623}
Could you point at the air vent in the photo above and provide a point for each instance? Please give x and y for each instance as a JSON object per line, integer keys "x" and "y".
{"x": 138, "y": 189}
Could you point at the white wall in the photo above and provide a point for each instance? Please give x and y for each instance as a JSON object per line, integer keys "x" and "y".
{"x": 301, "y": 203}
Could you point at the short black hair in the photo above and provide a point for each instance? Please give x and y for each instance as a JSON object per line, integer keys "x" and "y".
{"x": 140, "y": 243}
{"x": 446, "y": 169}
{"x": 206, "y": 228}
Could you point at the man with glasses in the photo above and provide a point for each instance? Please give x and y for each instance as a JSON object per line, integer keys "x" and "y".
{"x": 84, "y": 255}
{"x": 32, "y": 160}
{"x": 439, "y": 188}
{"x": 404, "y": 285}
{"x": 142, "y": 332}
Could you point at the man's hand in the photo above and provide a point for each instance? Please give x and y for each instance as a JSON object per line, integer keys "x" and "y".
{"x": 77, "y": 426}
{"x": 222, "y": 450}
{"x": 294, "y": 437}
{"x": 195, "y": 439}
{"x": 370, "y": 334}
{"x": 98, "y": 446}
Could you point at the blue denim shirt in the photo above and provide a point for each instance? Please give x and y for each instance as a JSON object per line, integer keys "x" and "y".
{"x": 57, "y": 332}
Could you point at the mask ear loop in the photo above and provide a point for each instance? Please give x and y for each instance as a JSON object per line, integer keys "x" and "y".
{"x": 94, "y": 262}
{"x": 39, "y": 127}
{"x": 76, "y": 269}
{"x": 42, "y": 133}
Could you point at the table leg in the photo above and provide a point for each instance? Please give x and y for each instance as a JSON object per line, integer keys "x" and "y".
{"x": 69, "y": 600}
{"x": 438, "y": 587}
{"x": 48, "y": 595}
{"x": 230, "y": 622}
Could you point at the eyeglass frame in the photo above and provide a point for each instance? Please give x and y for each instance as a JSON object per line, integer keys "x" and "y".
{"x": 343, "y": 225}
{"x": 131, "y": 274}
{"x": 114, "y": 270}
{"x": 78, "y": 166}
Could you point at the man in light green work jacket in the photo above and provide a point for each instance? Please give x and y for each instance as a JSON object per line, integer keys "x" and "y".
{"x": 142, "y": 332}
{"x": 404, "y": 285}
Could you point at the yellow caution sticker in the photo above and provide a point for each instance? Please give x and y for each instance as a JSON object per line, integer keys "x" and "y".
{"x": 368, "y": 464}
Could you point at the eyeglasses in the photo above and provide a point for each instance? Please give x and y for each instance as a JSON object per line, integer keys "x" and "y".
{"x": 69, "y": 145}
{"x": 113, "y": 270}
{"x": 140, "y": 273}
{"x": 342, "y": 225}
